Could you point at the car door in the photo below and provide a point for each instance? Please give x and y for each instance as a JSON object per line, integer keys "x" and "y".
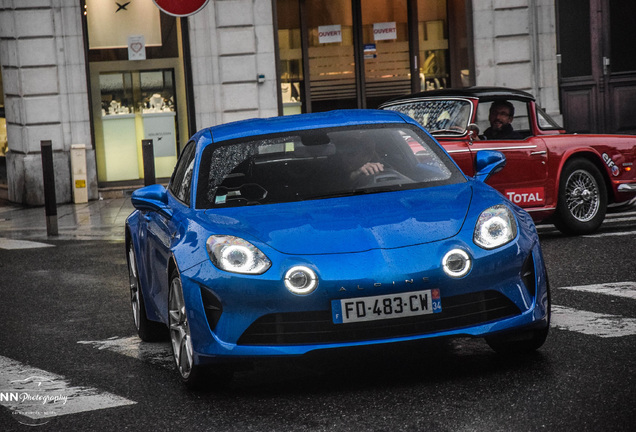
{"x": 162, "y": 231}
{"x": 524, "y": 178}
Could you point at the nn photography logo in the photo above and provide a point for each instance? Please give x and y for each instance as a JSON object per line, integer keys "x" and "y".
{"x": 34, "y": 400}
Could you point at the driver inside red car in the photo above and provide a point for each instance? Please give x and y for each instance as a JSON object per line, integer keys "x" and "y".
{"x": 501, "y": 115}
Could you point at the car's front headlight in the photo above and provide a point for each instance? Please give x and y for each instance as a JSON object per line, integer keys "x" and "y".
{"x": 236, "y": 255}
{"x": 495, "y": 227}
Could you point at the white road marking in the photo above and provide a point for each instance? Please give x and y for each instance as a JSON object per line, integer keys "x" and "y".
{"x": 610, "y": 218}
{"x": 620, "y": 214}
{"x": 35, "y": 396}
{"x": 591, "y": 323}
{"x": 611, "y": 234}
{"x": 155, "y": 353}
{"x": 616, "y": 219}
{"x": 618, "y": 289}
{"x": 6, "y": 243}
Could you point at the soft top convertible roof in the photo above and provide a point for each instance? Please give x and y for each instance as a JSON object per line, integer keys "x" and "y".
{"x": 486, "y": 93}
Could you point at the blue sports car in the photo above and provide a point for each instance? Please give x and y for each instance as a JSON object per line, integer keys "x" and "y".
{"x": 281, "y": 236}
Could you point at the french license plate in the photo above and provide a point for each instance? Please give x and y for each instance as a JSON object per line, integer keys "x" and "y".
{"x": 386, "y": 306}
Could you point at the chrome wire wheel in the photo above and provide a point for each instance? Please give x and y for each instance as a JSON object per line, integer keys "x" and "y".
{"x": 179, "y": 329}
{"x": 582, "y": 195}
{"x": 134, "y": 286}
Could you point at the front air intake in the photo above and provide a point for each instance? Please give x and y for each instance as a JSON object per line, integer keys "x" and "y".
{"x": 212, "y": 307}
{"x": 528, "y": 275}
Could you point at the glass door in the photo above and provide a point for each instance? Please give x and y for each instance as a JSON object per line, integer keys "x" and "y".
{"x": 331, "y": 60}
{"x": 385, "y": 39}
{"x": 433, "y": 44}
{"x": 359, "y": 53}
{"x": 291, "y": 56}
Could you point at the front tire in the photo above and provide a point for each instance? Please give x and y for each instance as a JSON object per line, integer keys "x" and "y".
{"x": 192, "y": 375}
{"x": 148, "y": 331}
{"x": 525, "y": 342}
{"x": 582, "y": 198}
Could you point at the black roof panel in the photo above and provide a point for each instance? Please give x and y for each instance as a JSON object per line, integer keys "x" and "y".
{"x": 489, "y": 93}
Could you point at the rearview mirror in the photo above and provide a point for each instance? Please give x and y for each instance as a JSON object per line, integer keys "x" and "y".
{"x": 487, "y": 163}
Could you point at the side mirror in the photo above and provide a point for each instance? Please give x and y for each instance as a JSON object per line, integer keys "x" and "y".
{"x": 487, "y": 163}
{"x": 152, "y": 198}
{"x": 473, "y": 131}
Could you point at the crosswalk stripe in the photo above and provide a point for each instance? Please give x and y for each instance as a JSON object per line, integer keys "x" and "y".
{"x": 620, "y": 214}
{"x": 6, "y": 243}
{"x": 616, "y": 219}
{"x": 35, "y": 396}
{"x": 155, "y": 353}
{"x": 611, "y": 234}
{"x": 618, "y": 289}
{"x": 591, "y": 323}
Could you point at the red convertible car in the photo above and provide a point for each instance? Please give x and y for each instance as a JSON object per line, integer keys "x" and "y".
{"x": 565, "y": 179}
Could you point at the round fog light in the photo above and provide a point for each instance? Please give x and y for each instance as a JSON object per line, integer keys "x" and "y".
{"x": 301, "y": 280}
{"x": 456, "y": 263}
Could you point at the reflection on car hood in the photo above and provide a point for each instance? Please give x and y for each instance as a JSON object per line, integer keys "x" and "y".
{"x": 351, "y": 224}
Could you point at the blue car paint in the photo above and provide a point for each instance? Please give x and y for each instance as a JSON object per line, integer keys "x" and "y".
{"x": 352, "y": 224}
{"x": 372, "y": 252}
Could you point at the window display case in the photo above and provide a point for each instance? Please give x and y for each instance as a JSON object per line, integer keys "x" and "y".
{"x": 137, "y": 105}
{"x": 119, "y": 152}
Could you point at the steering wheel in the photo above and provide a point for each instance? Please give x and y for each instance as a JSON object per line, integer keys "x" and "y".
{"x": 388, "y": 176}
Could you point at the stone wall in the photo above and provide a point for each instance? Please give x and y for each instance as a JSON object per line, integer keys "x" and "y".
{"x": 46, "y": 97}
{"x": 232, "y": 43}
{"x": 515, "y": 46}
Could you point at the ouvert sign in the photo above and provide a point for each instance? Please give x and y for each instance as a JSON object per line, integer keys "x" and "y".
{"x": 181, "y": 7}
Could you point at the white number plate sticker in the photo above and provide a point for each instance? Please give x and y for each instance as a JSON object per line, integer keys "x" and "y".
{"x": 386, "y": 306}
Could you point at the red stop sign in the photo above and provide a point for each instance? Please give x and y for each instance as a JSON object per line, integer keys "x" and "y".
{"x": 181, "y": 7}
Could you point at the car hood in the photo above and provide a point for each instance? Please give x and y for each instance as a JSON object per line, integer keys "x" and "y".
{"x": 350, "y": 224}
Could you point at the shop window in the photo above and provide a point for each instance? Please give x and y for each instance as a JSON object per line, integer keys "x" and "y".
{"x": 331, "y": 59}
{"x": 138, "y": 91}
{"x": 433, "y": 44}
{"x": 136, "y": 106}
{"x": 386, "y": 50}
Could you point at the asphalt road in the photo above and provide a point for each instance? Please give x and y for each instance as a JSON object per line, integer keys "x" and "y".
{"x": 65, "y": 318}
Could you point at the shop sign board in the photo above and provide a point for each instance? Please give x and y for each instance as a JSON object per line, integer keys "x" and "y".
{"x": 136, "y": 48}
{"x": 370, "y": 51}
{"x": 160, "y": 128}
{"x": 384, "y": 31}
{"x": 330, "y": 34}
{"x": 109, "y": 25}
{"x": 181, "y": 7}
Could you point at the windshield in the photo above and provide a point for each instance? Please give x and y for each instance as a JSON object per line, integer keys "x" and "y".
{"x": 449, "y": 116}
{"x": 321, "y": 163}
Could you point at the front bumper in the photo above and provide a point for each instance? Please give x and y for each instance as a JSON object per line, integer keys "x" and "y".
{"x": 257, "y": 316}
{"x": 627, "y": 187}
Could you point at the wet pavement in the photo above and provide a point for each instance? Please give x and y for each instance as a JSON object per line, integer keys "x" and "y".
{"x": 96, "y": 220}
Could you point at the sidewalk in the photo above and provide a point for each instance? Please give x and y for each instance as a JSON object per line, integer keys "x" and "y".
{"x": 96, "y": 220}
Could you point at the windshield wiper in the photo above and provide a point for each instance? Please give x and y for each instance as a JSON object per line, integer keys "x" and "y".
{"x": 353, "y": 192}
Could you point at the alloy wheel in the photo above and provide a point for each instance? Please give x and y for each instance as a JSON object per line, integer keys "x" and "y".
{"x": 179, "y": 329}
{"x": 134, "y": 286}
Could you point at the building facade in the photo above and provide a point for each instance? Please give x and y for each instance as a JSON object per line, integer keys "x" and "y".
{"x": 107, "y": 76}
